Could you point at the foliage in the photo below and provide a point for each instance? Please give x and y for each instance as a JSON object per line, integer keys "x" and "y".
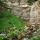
{"x": 12, "y": 25}
{"x": 3, "y": 37}
{"x": 30, "y": 2}
{"x": 4, "y": 19}
{"x": 9, "y": 22}
{"x": 36, "y": 38}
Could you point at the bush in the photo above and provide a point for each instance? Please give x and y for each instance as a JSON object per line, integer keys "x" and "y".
{"x": 3, "y": 37}
{"x": 36, "y": 38}
{"x": 30, "y": 2}
{"x": 9, "y": 22}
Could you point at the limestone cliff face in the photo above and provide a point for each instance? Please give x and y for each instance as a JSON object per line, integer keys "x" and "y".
{"x": 24, "y": 11}
{"x": 21, "y": 10}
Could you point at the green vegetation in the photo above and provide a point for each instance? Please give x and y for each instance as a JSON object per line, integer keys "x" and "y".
{"x": 8, "y": 20}
{"x": 3, "y": 37}
{"x": 10, "y": 24}
{"x": 30, "y": 2}
{"x": 36, "y": 38}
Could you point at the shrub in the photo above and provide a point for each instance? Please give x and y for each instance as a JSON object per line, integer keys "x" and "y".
{"x": 30, "y": 2}
{"x": 36, "y": 38}
{"x": 3, "y": 37}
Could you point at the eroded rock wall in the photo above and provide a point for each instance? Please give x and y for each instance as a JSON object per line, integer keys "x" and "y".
{"x": 24, "y": 11}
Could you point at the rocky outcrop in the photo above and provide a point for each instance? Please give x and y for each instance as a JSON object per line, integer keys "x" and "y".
{"x": 22, "y": 11}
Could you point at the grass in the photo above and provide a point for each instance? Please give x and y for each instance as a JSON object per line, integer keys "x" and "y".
{"x": 7, "y": 20}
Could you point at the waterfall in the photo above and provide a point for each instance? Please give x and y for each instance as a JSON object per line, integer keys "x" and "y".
{"x": 33, "y": 14}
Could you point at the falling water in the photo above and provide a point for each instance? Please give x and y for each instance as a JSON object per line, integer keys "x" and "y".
{"x": 33, "y": 14}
